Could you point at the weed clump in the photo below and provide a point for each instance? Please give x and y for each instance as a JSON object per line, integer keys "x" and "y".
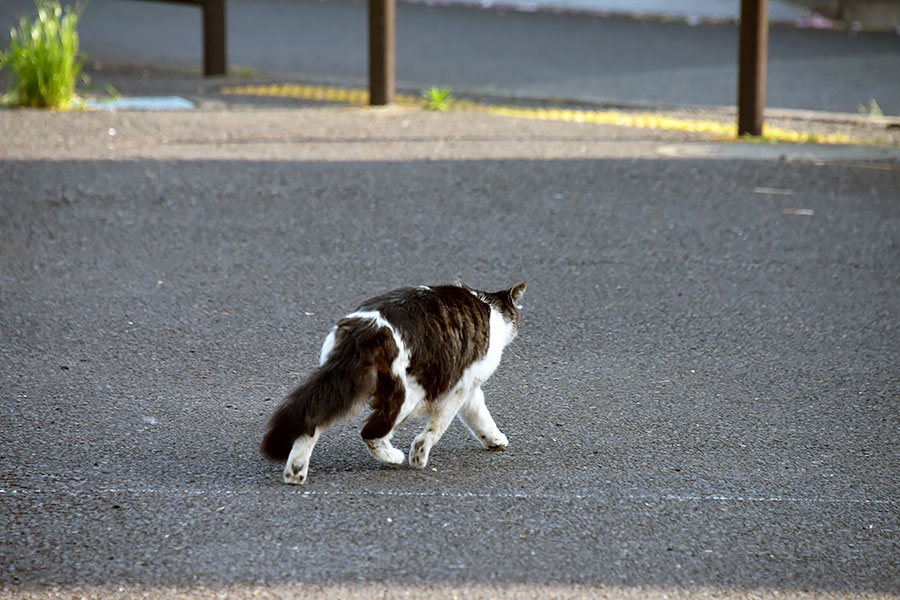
{"x": 43, "y": 62}
{"x": 437, "y": 98}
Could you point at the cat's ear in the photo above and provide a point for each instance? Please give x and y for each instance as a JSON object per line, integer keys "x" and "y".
{"x": 516, "y": 293}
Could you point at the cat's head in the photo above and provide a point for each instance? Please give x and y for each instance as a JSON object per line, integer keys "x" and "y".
{"x": 506, "y": 302}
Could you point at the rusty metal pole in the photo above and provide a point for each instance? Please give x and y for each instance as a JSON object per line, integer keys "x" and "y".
{"x": 214, "y": 62}
{"x": 754, "y": 36}
{"x": 381, "y": 52}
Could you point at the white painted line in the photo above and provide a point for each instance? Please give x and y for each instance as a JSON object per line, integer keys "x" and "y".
{"x": 773, "y": 191}
{"x": 662, "y": 497}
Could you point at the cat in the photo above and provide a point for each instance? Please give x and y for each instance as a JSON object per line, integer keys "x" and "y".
{"x": 423, "y": 350}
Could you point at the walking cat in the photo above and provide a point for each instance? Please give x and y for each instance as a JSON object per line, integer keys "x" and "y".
{"x": 425, "y": 349}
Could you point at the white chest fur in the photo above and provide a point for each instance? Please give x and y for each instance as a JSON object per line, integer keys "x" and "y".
{"x": 501, "y": 333}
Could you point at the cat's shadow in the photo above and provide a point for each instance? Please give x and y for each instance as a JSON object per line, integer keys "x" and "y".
{"x": 341, "y": 459}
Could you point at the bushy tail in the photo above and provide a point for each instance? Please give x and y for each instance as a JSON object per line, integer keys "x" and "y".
{"x": 347, "y": 376}
{"x": 317, "y": 401}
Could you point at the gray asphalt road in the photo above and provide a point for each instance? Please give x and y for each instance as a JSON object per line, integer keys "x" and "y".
{"x": 535, "y": 55}
{"x": 702, "y": 402}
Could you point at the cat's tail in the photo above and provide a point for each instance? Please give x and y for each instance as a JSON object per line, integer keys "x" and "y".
{"x": 362, "y": 350}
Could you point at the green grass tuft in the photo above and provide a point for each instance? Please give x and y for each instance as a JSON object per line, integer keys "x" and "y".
{"x": 437, "y": 98}
{"x": 42, "y": 59}
{"x": 243, "y": 71}
{"x": 870, "y": 110}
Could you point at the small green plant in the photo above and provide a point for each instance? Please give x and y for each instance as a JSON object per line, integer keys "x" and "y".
{"x": 437, "y": 98}
{"x": 42, "y": 59}
{"x": 244, "y": 71}
{"x": 870, "y": 110}
{"x": 113, "y": 93}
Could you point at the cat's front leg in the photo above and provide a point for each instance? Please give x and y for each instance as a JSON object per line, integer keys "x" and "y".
{"x": 420, "y": 449}
{"x": 476, "y": 417}
{"x": 441, "y": 415}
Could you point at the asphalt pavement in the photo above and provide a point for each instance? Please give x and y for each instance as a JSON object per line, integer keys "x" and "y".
{"x": 534, "y": 55}
{"x": 702, "y": 401}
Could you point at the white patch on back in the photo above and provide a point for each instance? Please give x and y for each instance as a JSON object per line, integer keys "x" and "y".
{"x": 327, "y": 346}
{"x": 398, "y": 367}
{"x": 400, "y": 364}
{"x": 373, "y": 315}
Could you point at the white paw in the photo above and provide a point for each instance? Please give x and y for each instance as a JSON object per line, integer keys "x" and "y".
{"x": 394, "y": 457}
{"x": 384, "y": 452}
{"x": 418, "y": 452}
{"x": 495, "y": 441}
{"x": 295, "y": 472}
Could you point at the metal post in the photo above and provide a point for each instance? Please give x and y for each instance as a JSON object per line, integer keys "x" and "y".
{"x": 752, "y": 66}
{"x": 214, "y": 62}
{"x": 381, "y": 52}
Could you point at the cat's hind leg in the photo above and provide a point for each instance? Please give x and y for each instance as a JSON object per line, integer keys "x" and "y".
{"x": 391, "y": 404}
{"x": 476, "y": 417}
{"x": 298, "y": 462}
{"x": 442, "y": 414}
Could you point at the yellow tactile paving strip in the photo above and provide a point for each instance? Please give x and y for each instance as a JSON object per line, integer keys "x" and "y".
{"x": 360, "y": 97}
